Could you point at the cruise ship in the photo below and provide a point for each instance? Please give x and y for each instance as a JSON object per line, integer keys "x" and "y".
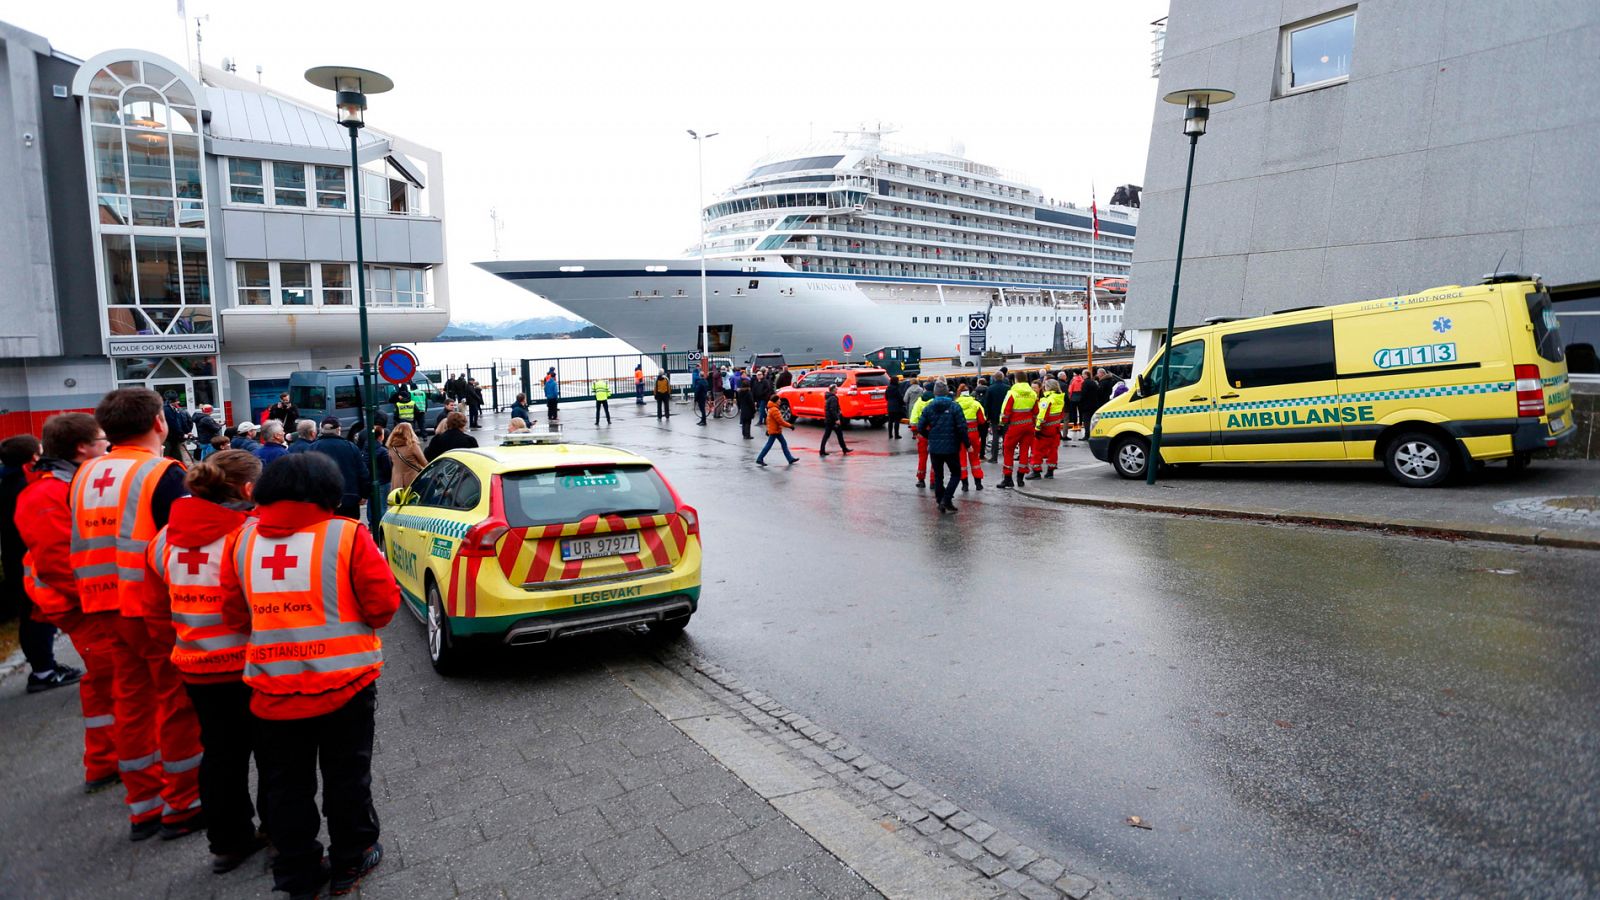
{"x": 837, "y": 249}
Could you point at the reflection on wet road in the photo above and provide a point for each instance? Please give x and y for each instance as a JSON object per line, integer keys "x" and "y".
{"x": 1294, "y": 710}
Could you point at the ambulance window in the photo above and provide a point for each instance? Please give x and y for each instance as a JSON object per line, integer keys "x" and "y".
{"x": 466, "y": 492}
{"x": 1289, "y": 354}
{"x": 1546, "y": 329}
{"x": 438, "y": 490}
{"x": 1188, "y": 361}
{"x": 571, "y": 494}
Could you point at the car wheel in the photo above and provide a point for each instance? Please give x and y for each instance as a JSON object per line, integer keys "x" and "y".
{"x": 1130, "y": 456}
{"x": 1418, "y": 459}
{"x": 877, "y": 421}
{"x": 785, "y": 411}
{"x": 442, "y": 650}
{"x": 1519, "y": 462}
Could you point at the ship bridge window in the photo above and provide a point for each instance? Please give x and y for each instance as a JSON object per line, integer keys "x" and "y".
{"x": 795, "y": 165}
{"x": 655, "y": 268}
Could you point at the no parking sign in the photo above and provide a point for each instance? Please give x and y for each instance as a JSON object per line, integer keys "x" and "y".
{"x": 849, "y": 343}
{"x": 397, "y": 365}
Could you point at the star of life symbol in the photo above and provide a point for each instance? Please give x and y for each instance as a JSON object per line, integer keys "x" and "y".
{"x": 1442, "y": 324}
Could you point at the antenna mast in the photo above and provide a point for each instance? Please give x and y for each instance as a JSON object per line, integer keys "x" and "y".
{"x": 496, "y": 226}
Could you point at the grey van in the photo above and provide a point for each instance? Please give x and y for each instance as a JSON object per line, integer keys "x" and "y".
{"x": 337, "y": 392}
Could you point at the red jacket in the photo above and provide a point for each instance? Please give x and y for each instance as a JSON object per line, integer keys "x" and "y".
{"x": 44, "y": 518}
{"x": 374, "y": 587}
{"x": 193, "y": 523}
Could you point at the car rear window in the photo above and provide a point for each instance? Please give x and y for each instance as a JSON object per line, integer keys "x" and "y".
{"x": 571, "y": 494}
{"x": 1546, "y": 330}
{"x": 871, "y": 381}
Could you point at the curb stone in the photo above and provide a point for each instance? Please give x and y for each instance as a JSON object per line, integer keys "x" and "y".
{"x": 997, "y": 863}
{"x": 1450, "y": 531}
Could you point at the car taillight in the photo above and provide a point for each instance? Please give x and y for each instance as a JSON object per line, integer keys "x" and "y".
{"x": 851, "y": 392}
{"x": 1530, "y": 391}
{"x": 691, "y": 519}
{"x": 481, "y": 538}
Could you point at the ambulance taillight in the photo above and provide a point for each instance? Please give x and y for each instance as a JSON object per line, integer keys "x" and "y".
{"x": 1530, "y": 391}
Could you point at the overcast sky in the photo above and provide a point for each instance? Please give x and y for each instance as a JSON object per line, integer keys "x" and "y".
{"x": 569, "y": 118}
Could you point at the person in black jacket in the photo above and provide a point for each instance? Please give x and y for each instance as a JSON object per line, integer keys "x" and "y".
{"x": 994, "y": 402}
{"x": 206, "y": 429}
{"x": 178, "y": 425}
{"x": 832, "y": 420}
{"x": 451, "y": 435}
{"x": 945, "y": 426}
{"x": 519, "y": 409}
{"x": 474, "y": 398}
{"x": 1092, "y": 397}
{"x": 747, "y": 407}
{"x": 352, "y": 465}
{"x": 895, "y": 405}
{"x": 761, "y": 390}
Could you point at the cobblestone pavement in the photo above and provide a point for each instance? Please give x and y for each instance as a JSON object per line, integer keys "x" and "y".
{"x": 538, "y": 776}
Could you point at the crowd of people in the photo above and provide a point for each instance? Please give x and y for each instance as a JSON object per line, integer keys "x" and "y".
{"x": 225, "y": 610}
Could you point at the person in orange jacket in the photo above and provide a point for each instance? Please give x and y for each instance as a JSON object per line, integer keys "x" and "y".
{"x": 1016, "y": 418}
{"x": 1048, "y": 423}
{"x": 776, "y": 423}
{"x": 311, "y": 589}
{"x": 44, "y": 519}
{"x": 119, "y": 501}
{"x": 184, "y": 610}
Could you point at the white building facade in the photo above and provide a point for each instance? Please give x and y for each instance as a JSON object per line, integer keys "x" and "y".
{"x": 208, "y": 245}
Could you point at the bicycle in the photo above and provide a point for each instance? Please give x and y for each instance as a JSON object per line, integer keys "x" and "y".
{"x": 723, "y": 408}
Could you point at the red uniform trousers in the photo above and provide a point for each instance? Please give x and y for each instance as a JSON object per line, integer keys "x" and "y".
{"x": 974, "y": 454}
{"x": 95, "y": 639}
{"x": 1018, "y": 441}
{"x": 1047, "y": 449}
{"x": 922, "y": 457}
{"x": 158, "y": 734}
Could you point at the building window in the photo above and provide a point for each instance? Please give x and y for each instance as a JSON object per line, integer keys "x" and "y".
{"x": 331, "y": 191}
{"x": 255, "y": 284}
{"x": 336, "y": 284}
{"x": 1316, "y": 53}
{"x": 397, "y": 286}
{"x": 260, "y": 283}
{"x": 244, "y": 181}
{"x": 288, "y": 184}
{"x": 294, "y": 284}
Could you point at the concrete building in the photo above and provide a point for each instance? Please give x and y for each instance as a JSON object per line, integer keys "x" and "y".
{"x": 1375, "y": 148}
{"x": 194, "y": 234}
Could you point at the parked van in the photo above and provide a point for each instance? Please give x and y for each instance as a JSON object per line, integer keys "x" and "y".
{"x": 337, "y": 392}
{"x": 1425, "y": 383}
{"x": 903, "y": 361}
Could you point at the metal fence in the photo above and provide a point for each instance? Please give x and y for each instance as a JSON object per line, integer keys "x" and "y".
{"x": 577, "y": 375}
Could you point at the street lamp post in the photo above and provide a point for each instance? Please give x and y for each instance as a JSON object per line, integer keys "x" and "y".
{"x": 1197, "y": 104}
{"x": 705, "y": 327}
{"x": 351, "y": 87}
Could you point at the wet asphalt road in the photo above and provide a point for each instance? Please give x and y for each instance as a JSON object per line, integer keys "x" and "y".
{"x": 1295, "y": 711}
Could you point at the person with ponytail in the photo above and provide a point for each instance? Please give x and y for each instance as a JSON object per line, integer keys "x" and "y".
{"x": 184, "y": 608}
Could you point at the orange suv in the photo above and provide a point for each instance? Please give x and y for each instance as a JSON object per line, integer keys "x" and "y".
{"x": 862, "y": 394}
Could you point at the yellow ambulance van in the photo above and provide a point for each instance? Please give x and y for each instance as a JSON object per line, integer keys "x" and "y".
{"x": 1425, "y": 383}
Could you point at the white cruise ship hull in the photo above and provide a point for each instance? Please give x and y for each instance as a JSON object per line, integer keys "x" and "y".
{"x": 651, "y": 303}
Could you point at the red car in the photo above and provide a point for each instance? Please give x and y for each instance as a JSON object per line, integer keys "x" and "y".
{"x": 862, "y": 394}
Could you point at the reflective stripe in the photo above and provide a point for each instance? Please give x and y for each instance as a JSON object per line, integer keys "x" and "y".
{"x": 331, "y": 544}
{"x": 168, "y": 809}
{"x": 310, "y": 633}
{"x": 220, "y": 642}
{"x": 129, "y": 545}
{"x": 241, "y": 550}
{"x": 99, "y": 721}
{"x": 143, "y": 762}
{"x": 144, "y": 806}
{"x": 184, "y": 765}
{"x": 130, "y": 506}
{"x": 127, "y": 574}
{"x": 81, "y": 544}
{"x": 197, "y": 620}
{"x": 315, "y": 664}
{"x": 159, "y": 553}
{"x": 96, "y": 571}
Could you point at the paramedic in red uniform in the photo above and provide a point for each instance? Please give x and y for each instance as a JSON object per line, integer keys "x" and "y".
{"x": 1016, "y": 418}
{"x": 184, "y": 608}
{"x": 44, "y": 520}
{"x": 311, "y": 590}
{"x": 119, "y": 501}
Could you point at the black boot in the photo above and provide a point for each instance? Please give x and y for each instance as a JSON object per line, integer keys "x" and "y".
{"x": 1050, "y": 472}
{"x": 1005, "y": 483}
{"x": 979, "y": 482}
{"x": 964, "y": 485}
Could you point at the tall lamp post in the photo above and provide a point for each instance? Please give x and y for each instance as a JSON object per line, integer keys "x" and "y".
{"x": 351, "y": 87}
{"x": 705, "y": 327}
{"x": 1197, "y": 103}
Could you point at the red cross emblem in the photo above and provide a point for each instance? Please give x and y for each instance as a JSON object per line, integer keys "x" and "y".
{"x": 194, "y": 559}
{"x": 279, "y": 562}
{"x": 106, "y": 479}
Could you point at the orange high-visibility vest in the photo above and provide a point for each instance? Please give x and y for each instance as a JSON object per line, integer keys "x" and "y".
{"x": 50, "y": 601}
{"x": 193, "y": 575}
{"x": 1052, "y": 409}
{"x": 307, "y": 634}
{"x": 112, "y": 527}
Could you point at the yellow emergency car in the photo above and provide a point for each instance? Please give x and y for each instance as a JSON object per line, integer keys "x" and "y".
{"x": 536, "y": 540}
{"x": 1426, "y": 383}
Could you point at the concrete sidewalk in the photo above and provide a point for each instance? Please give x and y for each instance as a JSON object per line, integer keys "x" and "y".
{"x": 1553, "y": 502}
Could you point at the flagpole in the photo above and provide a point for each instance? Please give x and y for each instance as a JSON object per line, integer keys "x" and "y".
{"x": 1094, "y": 238}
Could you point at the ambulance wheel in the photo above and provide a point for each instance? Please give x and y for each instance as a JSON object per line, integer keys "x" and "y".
{"x": 1130, "y": 456}
{"x": 1418, "y": 459}
{"x": 785, "y": 411}
{"x": 442, "y": 650}
{"x": 1519, "y": 462}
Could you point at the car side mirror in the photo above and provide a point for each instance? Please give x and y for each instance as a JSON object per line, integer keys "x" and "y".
{"x": 399, "y": 497}
{"x": 1145, "y": 387}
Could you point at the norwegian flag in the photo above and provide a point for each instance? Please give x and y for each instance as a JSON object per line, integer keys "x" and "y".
{"x": 1094, "y": 212}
